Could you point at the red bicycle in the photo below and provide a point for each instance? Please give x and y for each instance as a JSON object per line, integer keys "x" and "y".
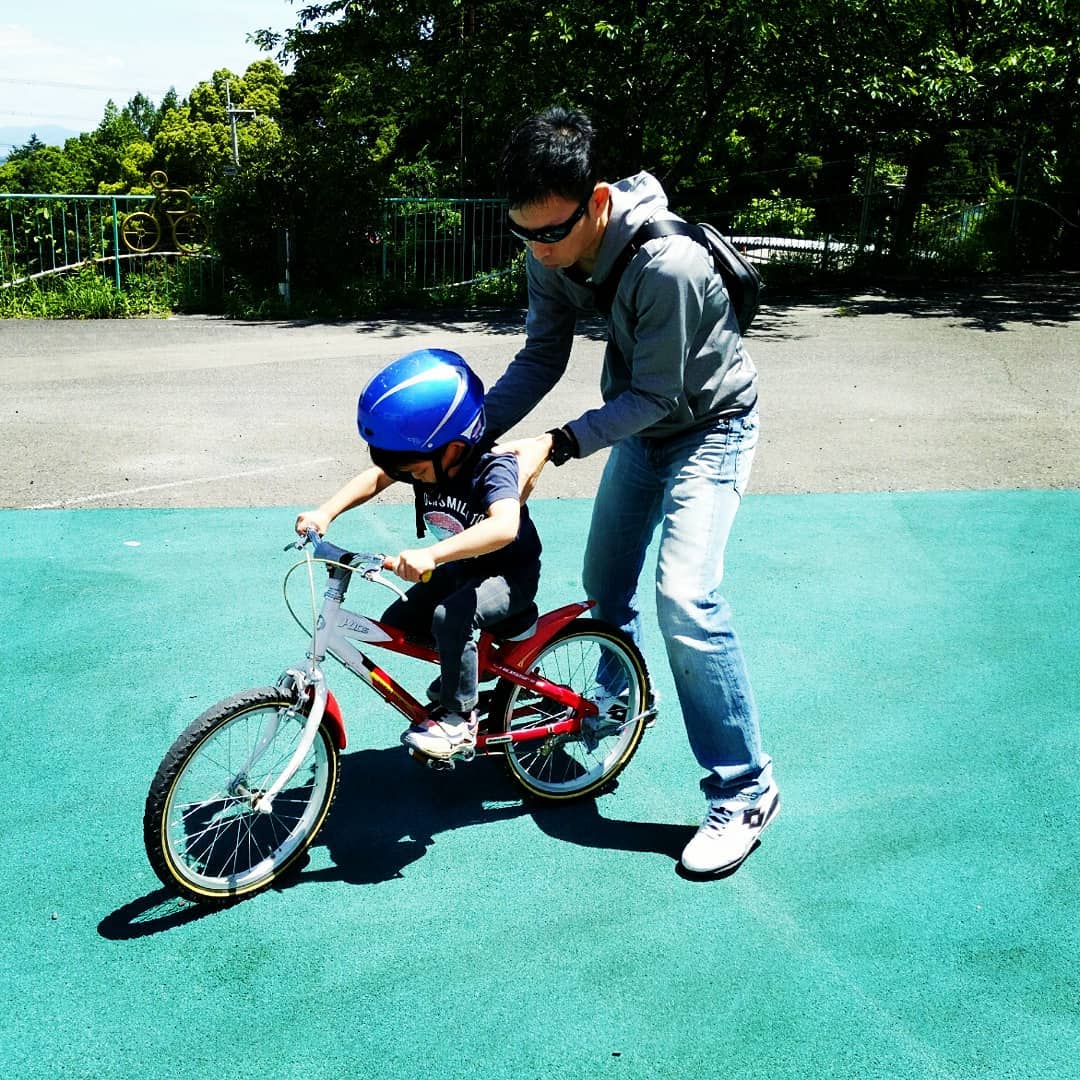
{"x": 246, "y": 787}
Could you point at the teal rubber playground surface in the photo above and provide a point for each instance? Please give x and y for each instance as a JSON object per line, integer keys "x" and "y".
{"x": 911, "y": 914}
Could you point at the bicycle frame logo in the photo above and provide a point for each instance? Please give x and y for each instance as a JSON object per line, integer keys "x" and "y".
{"x": 172, "y": 213}
{"x": 362, "y": 628}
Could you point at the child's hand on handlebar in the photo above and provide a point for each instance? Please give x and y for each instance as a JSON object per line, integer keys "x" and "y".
{"x": 312, "y": 519}
{"x": 413, "y": 565}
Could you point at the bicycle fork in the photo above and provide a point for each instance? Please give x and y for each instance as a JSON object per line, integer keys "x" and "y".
{"x": 302, "y": 686}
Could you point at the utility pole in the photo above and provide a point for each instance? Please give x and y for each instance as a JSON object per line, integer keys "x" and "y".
{"x": 234, "y": 115}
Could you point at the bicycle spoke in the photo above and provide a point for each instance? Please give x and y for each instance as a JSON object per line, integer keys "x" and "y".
{"x": 216, "y": 838}
{"x": 598, "y": 664}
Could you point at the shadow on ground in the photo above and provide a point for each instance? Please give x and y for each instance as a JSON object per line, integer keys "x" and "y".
{"x": 386, "y": 816}
{"x": 992, "y": 306}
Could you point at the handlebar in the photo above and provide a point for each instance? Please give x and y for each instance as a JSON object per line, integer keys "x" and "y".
{"x": 364, "y": 562}
{"x": 367, "y": 564}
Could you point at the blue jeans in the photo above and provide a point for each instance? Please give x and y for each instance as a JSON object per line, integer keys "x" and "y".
{"x": 450, "y": 608}
{"x": 691, "y": 486}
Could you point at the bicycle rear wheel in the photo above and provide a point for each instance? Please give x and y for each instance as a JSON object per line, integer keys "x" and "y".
{"x": 597, "y": 661}
{"x": 203, "y": 835}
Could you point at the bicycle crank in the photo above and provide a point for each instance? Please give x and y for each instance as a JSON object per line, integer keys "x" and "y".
{"x": 441, "y": 764}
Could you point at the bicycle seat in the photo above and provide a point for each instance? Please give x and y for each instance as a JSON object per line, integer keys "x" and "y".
{"x": 516, "y": 627}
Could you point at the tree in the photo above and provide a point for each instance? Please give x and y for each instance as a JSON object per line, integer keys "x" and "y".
{"x": 727, "y": 101}
{"x": 193, "y": 141}
{"x": 919, "y": 78}
{"x": 43, "y": 169}
{"x": 28, "y": 149}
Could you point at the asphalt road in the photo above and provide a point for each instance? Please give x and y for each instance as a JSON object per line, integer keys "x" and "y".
{"x": 969, "y": 389}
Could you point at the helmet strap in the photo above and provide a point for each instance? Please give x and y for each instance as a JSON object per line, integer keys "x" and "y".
{"x": 465, "y": 455}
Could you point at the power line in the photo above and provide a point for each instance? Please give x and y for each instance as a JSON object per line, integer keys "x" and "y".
{"x": 72, "y": 85}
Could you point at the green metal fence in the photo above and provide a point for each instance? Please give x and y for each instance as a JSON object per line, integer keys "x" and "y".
{"x": 47, "y": 235}
{"x": 950, "y": 236}
{"x": 432, "y": 242}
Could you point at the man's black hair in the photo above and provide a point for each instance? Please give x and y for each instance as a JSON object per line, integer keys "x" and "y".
{"x": 552, "y": 153}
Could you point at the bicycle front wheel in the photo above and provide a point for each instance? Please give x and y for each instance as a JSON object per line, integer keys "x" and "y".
{"x": 597, "y": 661}
{"x": 204, "y": 835}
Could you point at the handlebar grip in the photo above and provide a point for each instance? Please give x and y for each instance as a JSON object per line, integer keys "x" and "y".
{"x": 426, "y": 575}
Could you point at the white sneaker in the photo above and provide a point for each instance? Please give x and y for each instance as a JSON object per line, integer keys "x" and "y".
{"x": 730, "y": 828}
{"x": 443, "y": 736}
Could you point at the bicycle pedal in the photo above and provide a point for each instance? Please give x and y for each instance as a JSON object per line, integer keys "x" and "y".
{"x": 436, "y": 763}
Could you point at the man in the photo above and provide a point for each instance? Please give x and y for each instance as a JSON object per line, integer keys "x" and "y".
{"x": 680, "y": 416}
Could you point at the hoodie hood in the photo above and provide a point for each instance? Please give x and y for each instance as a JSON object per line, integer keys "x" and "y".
{"x": 634, "y": 201}
{"x": 674, "y": 360}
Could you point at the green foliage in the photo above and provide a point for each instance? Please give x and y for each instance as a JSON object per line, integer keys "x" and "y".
{"x": 188, "y": 139}
{"x": 366, "y": 296}
{"x": 796, "y": 118}
{"x": 885, "y": 174}
{"x": 46, "y": 169}
{"x": 193, "y": 142}
{"x": 86, "y": 296}
{"x": 156, "y": 289}
{"x": 775, "y": 216}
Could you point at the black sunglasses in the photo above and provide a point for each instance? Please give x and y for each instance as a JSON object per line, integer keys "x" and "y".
{"x": 549, "y": 234}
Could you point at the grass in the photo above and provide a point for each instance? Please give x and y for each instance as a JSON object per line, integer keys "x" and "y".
{"x": 89, "y": 293}
{"x": 159, "y": 288}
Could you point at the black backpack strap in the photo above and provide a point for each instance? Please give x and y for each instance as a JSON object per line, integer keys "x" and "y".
{"x": 652, "y": 230}
{"x": 604, "y": 292}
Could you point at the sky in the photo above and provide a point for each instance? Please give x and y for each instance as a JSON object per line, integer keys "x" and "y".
{"x": 62, "y": 60}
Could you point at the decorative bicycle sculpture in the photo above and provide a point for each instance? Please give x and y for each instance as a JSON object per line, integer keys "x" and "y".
{"x": 172, "y": 214}
{"x": 244, "y": 789}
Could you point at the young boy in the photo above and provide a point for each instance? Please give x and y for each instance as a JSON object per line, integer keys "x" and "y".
{"x": 422, "y": 417}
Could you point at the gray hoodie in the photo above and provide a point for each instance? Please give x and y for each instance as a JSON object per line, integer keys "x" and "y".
{"x": 674, "y": 359}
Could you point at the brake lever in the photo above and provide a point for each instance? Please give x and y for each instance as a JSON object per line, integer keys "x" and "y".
{"x": 374, "y": 574}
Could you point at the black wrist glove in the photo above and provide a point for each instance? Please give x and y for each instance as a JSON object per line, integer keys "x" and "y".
{"x": 563, "y": 446}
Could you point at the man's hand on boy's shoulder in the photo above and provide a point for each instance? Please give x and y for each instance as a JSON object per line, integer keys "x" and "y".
{"x": 532, "y": 455}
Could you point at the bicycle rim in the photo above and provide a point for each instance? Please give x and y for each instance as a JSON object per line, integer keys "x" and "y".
{"x": 594, "y": 660}
{"x": 214, "y": 842}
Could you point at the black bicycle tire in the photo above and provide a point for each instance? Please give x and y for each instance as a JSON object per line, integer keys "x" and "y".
{"x": 183, "y": 751}
{"x": 503, "y": 693}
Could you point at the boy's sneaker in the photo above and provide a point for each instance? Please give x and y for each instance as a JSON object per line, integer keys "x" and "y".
{"x": 443, "y": 735}
{"x": 730, "y": 829}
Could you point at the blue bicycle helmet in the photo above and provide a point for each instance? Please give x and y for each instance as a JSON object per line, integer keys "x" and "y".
{"x": 421, "y": 402}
